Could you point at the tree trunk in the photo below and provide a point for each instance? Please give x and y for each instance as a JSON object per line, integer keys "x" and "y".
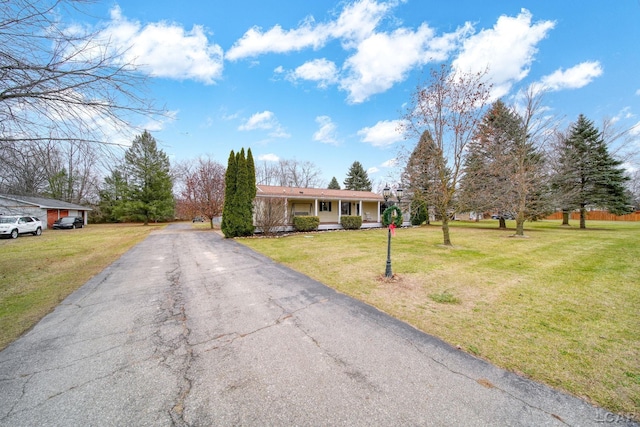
{"x": 583, "y": 217}
{"x": 520, "y": 225}
{"x": 445, "y": 230}
{"x": 502, "y": 223}
{"x": 565, "y": 217}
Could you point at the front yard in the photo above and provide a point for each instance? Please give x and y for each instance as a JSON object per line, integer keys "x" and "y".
{"x": 559, "y": 306}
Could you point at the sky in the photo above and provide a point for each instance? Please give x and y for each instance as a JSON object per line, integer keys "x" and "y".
{"x": 329, "y": 81}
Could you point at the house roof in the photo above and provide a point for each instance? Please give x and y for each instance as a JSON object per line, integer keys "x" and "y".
{"x": 316, "y": 193}
{"x": 43, "y": 202}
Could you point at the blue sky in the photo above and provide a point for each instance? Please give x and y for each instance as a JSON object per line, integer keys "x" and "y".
{"x": 327, "y": 81}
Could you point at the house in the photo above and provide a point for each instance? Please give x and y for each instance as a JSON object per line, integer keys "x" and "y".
{"x": 328, "y": 205}
{"x": 48, "y": 210}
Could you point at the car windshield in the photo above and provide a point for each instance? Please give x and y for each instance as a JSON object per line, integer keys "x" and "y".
{"x": 7, "y": 219}
{"x": 67, "y": 220}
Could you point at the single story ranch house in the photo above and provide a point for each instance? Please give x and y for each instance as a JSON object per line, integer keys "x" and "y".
{"x": 47, "y": 210}
{"x": 328, "y": 205}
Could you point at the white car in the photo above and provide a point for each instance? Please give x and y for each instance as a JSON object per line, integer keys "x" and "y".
{"x": 12, "y": 226}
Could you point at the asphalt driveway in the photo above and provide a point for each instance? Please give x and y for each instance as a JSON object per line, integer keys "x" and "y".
{"x": 190, "y": 329}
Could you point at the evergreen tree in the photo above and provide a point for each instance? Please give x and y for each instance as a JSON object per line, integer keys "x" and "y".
{"x": 357, "y": 178}
{"x": 333, "y": 185}
{"x": 243, "y": 196}
{"x": 150, "y": 186}
{"x": 240, "y": 191}
{"x": 229, "y": 215}
{"x": 587, "y": 174}
{"x": 419, "y": 175}
{"x": 503, "y": 169}
{"x": 251, "y": 171}
{"x": 112, "y": 197}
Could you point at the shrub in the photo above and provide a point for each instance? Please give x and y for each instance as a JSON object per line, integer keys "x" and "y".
{"x": 418, "y": 212}
{"x": 306, "y": 223}
{"x": 351, "y": 222}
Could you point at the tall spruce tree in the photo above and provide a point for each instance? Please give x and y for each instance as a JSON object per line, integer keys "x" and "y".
{"x": 357, "y": 178}
{"x": 503, "y": 168}
{"x": 333, "y": 185}
{"x": 419, "y": 176}
{"x": 150, "y": 186}
{"x": 587, "y": 174}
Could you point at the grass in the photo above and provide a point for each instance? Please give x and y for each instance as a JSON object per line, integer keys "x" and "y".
{"x": 559, "y": 306}
{"x": 37, "y": 273}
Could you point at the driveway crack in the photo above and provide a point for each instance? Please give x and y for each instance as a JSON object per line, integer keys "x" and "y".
{"x": 172, "y": 344}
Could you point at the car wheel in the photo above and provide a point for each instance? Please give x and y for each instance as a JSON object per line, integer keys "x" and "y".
{"x": 73, "y": 226}
{"x": 37, "y": 232}
{"x": 14, "y": 234}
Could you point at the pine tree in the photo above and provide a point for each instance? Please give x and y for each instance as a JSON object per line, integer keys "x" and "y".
{"x": 333, "y": 185}
{"x": 357, "y": 178}
{"x": 588, "y": 174}
{"x": 150, "y": 187}
{"x": 419, "y": 175}
{"x": 503, "y": 170}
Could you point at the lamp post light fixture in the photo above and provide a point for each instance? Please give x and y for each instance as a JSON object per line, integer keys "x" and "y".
{"x": 386, "y": 193}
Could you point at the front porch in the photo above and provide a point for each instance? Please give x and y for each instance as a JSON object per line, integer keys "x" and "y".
{"x": 326, "y": 204}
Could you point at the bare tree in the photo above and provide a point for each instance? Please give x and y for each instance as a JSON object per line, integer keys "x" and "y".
{"x": 270, "y": 215}
{"x": 58, "y": 84}
{"x": 289, "y": 173}
{"x": 63, "y": 170}
{"x": 202, "y": 191}
{"x": 449, "y": 107}
{"x": 527, "y": 157}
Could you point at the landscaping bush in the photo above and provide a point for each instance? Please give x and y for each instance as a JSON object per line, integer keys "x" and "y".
{"x": 418, "y": 212}
{"x": 351, "y": 222}
{"x": 306, "y": 223}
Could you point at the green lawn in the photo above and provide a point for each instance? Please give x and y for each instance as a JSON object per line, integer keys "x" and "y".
{"x": 36, "y": 273}
{"x": 560, "y": 306}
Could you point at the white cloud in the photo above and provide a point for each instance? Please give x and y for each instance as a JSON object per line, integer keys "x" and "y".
{"x": 265, "y": 120}
{"x": 165, "y": 49}
{"x": 391, "y": 163}
{"x": 572, "y": 78}
{"x": 355, "y": 22}
{"x": 327, "y": 131}
{"x": 635, "y": 129}
{"x": 322, "y": 71}
{"x": 384, "y": 59}
{"x": 372, "y": 170}
{"x": 269, "y": 157}
{"x": 507, "y": 50}
{"x": 638, "y": 92}
{"x": 382, "y": 134}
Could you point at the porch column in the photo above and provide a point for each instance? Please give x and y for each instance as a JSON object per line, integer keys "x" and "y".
{"x": 286, "y": 210}
{"x": 316, "y": 207}
{"x": 360, "y": 209}
{"x": 378, "y": 212}
{"x": 339, "y": 210}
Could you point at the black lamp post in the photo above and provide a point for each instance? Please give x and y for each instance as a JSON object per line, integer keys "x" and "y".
{"x": 386, "y": 193}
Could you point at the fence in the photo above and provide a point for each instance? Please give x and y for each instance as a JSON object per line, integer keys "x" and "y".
{"x": 599, "y": 216}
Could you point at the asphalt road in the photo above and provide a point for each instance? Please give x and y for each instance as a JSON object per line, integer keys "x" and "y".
{"x": 189, "y": 329}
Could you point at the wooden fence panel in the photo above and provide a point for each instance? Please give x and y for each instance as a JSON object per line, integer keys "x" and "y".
{"x": 599, "y": 216}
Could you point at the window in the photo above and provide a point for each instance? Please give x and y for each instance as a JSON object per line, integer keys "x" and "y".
{"x": 325, "y": 206}
{"x": 346, "y": 208}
